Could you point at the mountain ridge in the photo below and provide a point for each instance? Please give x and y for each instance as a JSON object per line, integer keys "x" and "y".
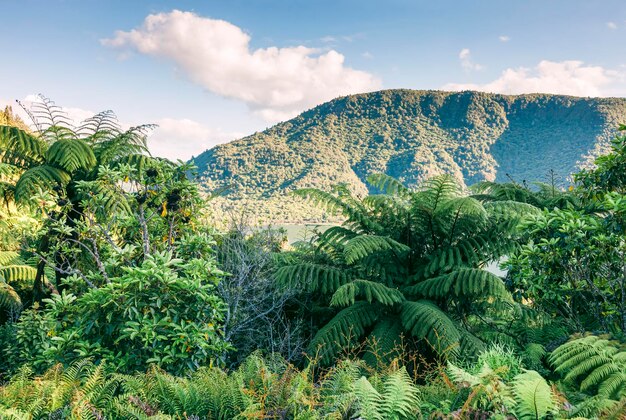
{"x": 414, "y": 134}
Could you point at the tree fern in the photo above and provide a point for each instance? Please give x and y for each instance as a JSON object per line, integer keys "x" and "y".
{"x": 429, "y": 245}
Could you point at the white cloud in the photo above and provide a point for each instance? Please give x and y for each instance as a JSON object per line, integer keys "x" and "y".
{"x": 565, "y": 77}
{"x": 73, "y": 115}
{"x": 504, "y": 38}
{"x": 368, "y": 55}
{"x": 466, "y": 60}
{"x": 611, "y": 25}
{"x": 184, "y": 138}
{"x": 172, "y": 139}
{"x": 276, "y": 83}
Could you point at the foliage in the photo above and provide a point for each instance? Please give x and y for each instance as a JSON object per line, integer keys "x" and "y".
{"x": 497, "y": 385}
{"x": 257, "y": 389}
{"x": 164, "y": 313}
{"x": 405, "y": 263}
{"x": 412, "y": 136}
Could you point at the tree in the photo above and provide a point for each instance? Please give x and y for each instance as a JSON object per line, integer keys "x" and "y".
{"x": 405, "y": 263}
{"x": 56, "y": 157}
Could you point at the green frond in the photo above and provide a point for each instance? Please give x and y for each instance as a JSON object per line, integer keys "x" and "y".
{"x": 594, "y": 363}
{"x": 368, "y": 400}
{"x": 471, "y": 251}
{"x": 15, "y": 273}
{"x": 388, "y": 184}
{"x": 425, "y": 320}
{"x": 43, "y": 177}
{"x": 363, "y": 245}
{"x": 383, "y": 343}
{"x": 102, "y": 125}
{"x": 343, "y": 330}
{"x": 19, "y": 148}
{"x": 400, "y": 396}
{"x": 71, "y": 155}
{"x": 313, "y": 277}
{"x": 463, "y": 282}
{"x": 8, "y": 257}
{"x": 369, "y": 290}
{"x": 533, "y": 396}
{"x": 354, "y": 212}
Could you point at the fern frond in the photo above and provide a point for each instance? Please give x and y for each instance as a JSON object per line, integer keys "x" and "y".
{"x": 19, "y": 148}
{"x": 343, "y": 330}
{"x": 383, "y": 343}
{"x": 534, "y": 397}
{"x": 400, "y": 397}
{"x": 368, "y": 400}
{"x": 463, "y": 282}
{"x": 596, "y": 362}
{"x": 71, "y": 155}
{"x": 364, "y": 245}
{"x": 313, "y": 277}
{"x": 369, "y": 290}
{"x": 388, "y": 184}
{"x": 425, "y": 320}
{"x": 43, "y": 177}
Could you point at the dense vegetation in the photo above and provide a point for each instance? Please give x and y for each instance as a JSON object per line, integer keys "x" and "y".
{"x": 119, "y": 297}
{"x": 411, "y": 136}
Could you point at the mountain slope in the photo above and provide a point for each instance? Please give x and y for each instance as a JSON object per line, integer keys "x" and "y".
{"x": 415, "y": 134}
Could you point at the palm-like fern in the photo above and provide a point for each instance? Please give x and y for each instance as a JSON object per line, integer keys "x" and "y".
{"x": 56, "y": 157}
{"x": 411, "y": 260}
{"x": 595, "y": 363}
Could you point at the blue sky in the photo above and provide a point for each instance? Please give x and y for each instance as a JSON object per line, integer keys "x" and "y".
{"x": 211, "y": 71}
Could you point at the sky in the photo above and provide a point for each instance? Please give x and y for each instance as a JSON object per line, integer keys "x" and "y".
{"x": 210, "y": 71}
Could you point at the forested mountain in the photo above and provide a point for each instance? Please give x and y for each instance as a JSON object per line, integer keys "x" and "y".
{"x": 412, "y": 135}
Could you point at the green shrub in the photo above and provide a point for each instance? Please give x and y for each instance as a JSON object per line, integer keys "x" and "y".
{"x": 164, "y": 312}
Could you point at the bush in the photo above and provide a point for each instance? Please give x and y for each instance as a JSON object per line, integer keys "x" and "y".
{"x": 164, "y": 312}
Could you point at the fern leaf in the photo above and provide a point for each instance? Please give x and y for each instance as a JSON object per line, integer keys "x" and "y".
{"x": 343, "y": 330}
{"x": 368, "y": 400}
{"x": 312, "y": 277}
{"x": 464, "y": 282}
{"x": 364, "y": 245}
{"x": 400, "y": 397}
{"x": 369, "y": 290}
{"x": 388, "y": 184}
{"x": 533, "y": 395}
{"x": 425, "y": 320}
{"x": 71, "y": 155}
{"x": 43, "y": 177}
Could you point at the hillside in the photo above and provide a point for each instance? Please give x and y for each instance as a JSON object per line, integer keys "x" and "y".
{"x": 412, "y": 135}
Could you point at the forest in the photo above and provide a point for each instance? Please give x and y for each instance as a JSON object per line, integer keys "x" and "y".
{"x": 124, "y": 296}
{"x": 411, "y": 135}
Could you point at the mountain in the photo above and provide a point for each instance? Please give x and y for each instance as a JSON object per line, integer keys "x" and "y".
{"x": 412, "y": 135}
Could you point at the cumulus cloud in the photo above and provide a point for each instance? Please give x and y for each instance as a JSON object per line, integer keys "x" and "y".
{"x": 504, "y": 38}
{"x": 184, "y": 138}
{"x": 466, "y": 60}
{"x": 276, "y": 83}
{"x": 565, "y": 77}
{"x": 611, "y": 25}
